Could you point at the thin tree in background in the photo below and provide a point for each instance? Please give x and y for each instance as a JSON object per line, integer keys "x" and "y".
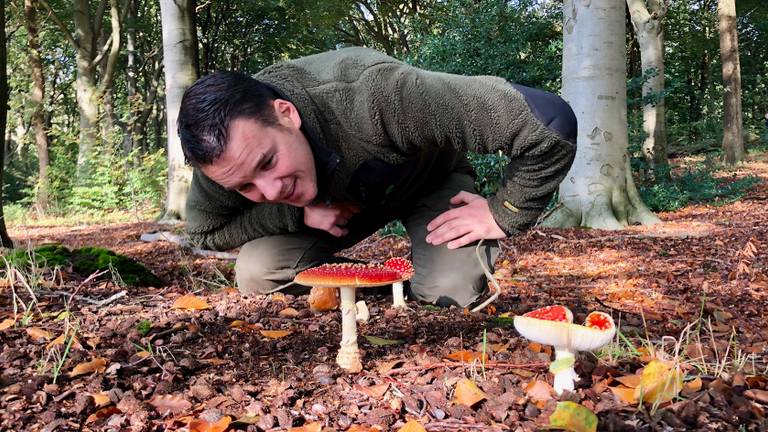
{"x": 180, "y": 61}
{"x": 598, "y": 191}
{"x": 5, "y": 239}
{"x": 647, "y": 17}
{"x": 36, "y": 99}
{"x": 733, "y": 138}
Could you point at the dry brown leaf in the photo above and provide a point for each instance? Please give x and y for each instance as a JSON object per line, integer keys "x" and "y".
{"x": 539, "y": 391}
{"x": 174, "y": 404}
{"x": 625, "y": 394}
{"x": 37, "y": 334}
{"x": 190, "y": 302}
{"x": 467, "y": 393}
{"x": 102, "y": 413}
{"x": 535, "y": 347}
{"x": 385, "y": 367}
{"x": 361, "y": 428}
{"x": 289, "y": 313}
{"x": 200, "y": 425}
{"x": 7, "y": 323}
{"x": 375, "y": 391}
{"x": 631, "y": 381}
{"x": 498, "y": 348}
{"x": 101, "y": 399}
{"x": 275, "y": 334}
{"x": 214, "y": 361}
{"x": 96, "y": 365}
{"x": 309, "y": 427}
{"x": 62, "y": 340}
{"x": 692, "y": 386}
{"x": 412, "y": 426}
{"x": 758, "y": 395}
{"x": 467, "y": 356}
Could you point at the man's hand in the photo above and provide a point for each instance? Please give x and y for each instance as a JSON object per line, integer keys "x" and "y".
{"x": 330, "y": 217}
{"x": 463, "y": 225}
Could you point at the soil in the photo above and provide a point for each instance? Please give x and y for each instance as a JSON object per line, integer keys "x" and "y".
{"x": 692, "y": 290}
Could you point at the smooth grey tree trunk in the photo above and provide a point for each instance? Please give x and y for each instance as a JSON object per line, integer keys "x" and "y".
{"x": 733, "y": 138}
{"x": 180, "y": 64}
{"x": 598, "y": 191}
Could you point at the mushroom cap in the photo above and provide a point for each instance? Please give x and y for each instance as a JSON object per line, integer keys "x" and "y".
{"x": 348, "y": 275}
{"x": 401, "y": 265}
{"x": 598, "y": 330}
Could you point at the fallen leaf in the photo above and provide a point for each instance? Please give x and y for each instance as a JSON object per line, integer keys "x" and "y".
{"x": 660, "y": 382}
{"x": 63, "y": 340}
{"x": 96, "y": 365}
{"x": 466, "y": 356}
{"x": 758, "y": 395}
{"x": 102, "y": 413}
{"x": 309, "y": 427}
{"x": 498, "y": 348}
{"x": 412, "y": 426}
{"x": 289, "y": 313}
{"x": 275, "y": 334}
{"x": 174, "y": 404}
{"x": 625, "y": 394}
{"x": 200, "y": 425}
{"x": 7, "y": 323}
{"x": 379, "y": 341}
{"x": 539, "y": 390}
{"x": 190, "y": 302}
{"x": 375, "y": 391}
{"x": 573, "y": 417}
{"x": 631, "y": 381}
{"x": 387, "y": 366}
{"x": 37, "y": 334}
{"x": 692, "y": 386}
{"x": 360, "y": 428}
{"x": 101, "y": 399}
{"x": 214, "y": 361}
{"x": 535, "y": 347}
{"x": 467, "y": 393}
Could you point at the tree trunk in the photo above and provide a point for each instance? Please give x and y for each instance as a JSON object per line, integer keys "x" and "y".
{"x": 180, "y": 62}
{"x": 5, "y": 239}
{"x": 646, "y": 20}
{"x": 733, "y": 138}
{"x": 598, "y": 191}
{"x": 37, "y": 100}
{"x": 132, "y": 135}
{"x": 85, "y": 85}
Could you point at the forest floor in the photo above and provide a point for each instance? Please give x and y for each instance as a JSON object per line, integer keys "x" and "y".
{"x": 692, "y": 291}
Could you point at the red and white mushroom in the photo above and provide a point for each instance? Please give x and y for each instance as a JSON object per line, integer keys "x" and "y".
{"x": 405, "y": 268}
{"x": 348, "y": 277}
{"x": 553, "y": 325}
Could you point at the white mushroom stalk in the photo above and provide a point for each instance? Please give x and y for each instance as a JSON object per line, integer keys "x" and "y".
{"x": 553, "y": 325}
{"x": 349, "y": 355}
{"x": 405, "y": 268}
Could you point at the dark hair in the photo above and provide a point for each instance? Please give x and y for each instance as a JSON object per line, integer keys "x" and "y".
{"x": 211, "y": 104}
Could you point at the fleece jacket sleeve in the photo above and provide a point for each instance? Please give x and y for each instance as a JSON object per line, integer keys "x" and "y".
{"x": 420, "y": 109}
{"x": 220, "y": 219}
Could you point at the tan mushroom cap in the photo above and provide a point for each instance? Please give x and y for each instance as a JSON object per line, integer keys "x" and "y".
{"x": 348, "y": 275}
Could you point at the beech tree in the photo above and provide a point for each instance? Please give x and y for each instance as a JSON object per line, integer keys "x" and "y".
{"x": 598, "y": 191}
{"x": 733, "y": 138}
{"x": 180, "y": 61}
{"x": 5, "y": 239}
{"x": 647, "y": 17}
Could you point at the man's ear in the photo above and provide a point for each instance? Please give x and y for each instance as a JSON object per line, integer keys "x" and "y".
{"x": 287, "y": 114}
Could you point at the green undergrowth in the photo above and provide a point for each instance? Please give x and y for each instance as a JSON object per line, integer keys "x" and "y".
{"x": 86, "y": 261}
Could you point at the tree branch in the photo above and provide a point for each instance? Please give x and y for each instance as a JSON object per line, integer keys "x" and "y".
{"x": 60, "y": 24}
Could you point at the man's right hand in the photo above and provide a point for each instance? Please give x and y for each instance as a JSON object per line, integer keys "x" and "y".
{"x": 331, "y": 218}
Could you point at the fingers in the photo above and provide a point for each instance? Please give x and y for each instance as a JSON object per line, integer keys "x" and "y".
{"x": 463, "y": 240}
{"x": 337, "y": 231}
{"x": 464, "y": 197}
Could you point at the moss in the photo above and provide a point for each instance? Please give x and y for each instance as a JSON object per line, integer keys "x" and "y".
{"x": 89, "y": 260}
{"x": 43, "y": 256}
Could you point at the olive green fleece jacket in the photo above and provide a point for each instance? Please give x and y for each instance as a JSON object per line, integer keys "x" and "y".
{"x": 362, "y": 105}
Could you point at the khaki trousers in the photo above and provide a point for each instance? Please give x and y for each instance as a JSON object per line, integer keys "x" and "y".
{"x": 443, "y": 277}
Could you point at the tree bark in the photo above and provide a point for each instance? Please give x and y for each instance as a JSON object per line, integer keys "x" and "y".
{"x": 5, "y": 239}
{"x": 733, "y": 138}
{"x": 598, "y": 191}
{"x": 180, "y": 64}
{"x": 37, "y": 100}
{"x": 647, "y": 16}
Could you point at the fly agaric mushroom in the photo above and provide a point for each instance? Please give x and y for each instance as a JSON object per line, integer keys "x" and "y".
{"x": 405, "y": 268}
{"x": 348, "y": 277}
{"x": 553, "y": 325}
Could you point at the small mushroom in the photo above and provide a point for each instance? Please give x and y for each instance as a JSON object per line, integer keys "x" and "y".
{"x": 553, "y": 325}
{"x": 348, "y": 277}
{"x": 405, "y": 268}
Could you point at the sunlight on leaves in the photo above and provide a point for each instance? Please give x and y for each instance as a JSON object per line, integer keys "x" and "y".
{"x": 190, "y": 302}
{"x": 539, "y": 391}
{"x": 62, "y": 340}
{"x": 102, "y": 413}
{"x": 660, "y": 382}
{"x": 359, "y": 428}
{"x": 467, "y": 356}
{"x": 467, "y": 393}
{"x": 412, "y": 426}
{"x": 7, "y": 323}
{"x": 573, "y": 417}
{"x": 631, "y": 381}
{"x": 101, "y": 399}
{"x": 288, "y": 313}
{"x": 174, "y": 404}
{"x": 692, "y": 386}
{"x": 625, "y": 394}
{"x": 96, "y": 365}
{"x": 200, "y": 425}
{"x": 379, "y": 341}
{"x": 275, "y": 334}
{"x": 36, "y": 333}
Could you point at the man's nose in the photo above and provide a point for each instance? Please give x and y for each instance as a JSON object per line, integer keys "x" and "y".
{"x": 269, "y": 188}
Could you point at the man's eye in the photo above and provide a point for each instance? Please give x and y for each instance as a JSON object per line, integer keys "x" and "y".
{"x": 268, "y": 163}
{"x": 245, "y": 188}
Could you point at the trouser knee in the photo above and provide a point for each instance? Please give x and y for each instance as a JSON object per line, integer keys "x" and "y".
{"x": 258, "y": 269}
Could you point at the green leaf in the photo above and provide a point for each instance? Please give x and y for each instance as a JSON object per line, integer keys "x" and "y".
{"x": 501, "y": 321}
{"x": 562, "y": 364}
{"x": 381, "y": 341}
{"x": 431, "y": 307}
{"x": 573, "y": 417}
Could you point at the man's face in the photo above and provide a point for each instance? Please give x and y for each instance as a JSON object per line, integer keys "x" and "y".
{"x": 267, "y": 163}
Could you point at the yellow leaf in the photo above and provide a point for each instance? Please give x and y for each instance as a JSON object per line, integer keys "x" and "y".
{"x": 37, "y": 333}
{"x": 309, "y": 427}
{"x": 466, "y": 356}
{"x": 275, "y": 334}
{"x": 143, "y": 354}
{"x": 661, "y": 382}
{"x": 190, "y": 302}
{"x": 573, "y": 417}
{"x": 7, "y": 323}
{"x": 467, "y": 393}
{"x": 631, "y": 381}
{"x": 412, "y": 426}
{"x": 535, "y": 347}
{"x": 199, "y": 425}
{"x": 625, "y": 394}
{"x": 101, "y": 399}
{"x": 96, "y": 365}
{"x": 539, "y": 390}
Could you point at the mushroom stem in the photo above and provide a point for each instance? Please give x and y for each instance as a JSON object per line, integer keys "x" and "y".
{"x": 562, "y": 368}
{"x": 349, "y": 356}
{"x": 398, "y": 300}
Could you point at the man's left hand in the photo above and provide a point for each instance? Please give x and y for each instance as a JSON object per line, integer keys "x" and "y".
{"x": 469, "y": 222}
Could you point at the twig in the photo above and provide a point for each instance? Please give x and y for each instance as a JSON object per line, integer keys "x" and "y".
{"x": 490, "y": 364}
{"x": 491, "y": 279}
{"x": 98, "y": 303}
